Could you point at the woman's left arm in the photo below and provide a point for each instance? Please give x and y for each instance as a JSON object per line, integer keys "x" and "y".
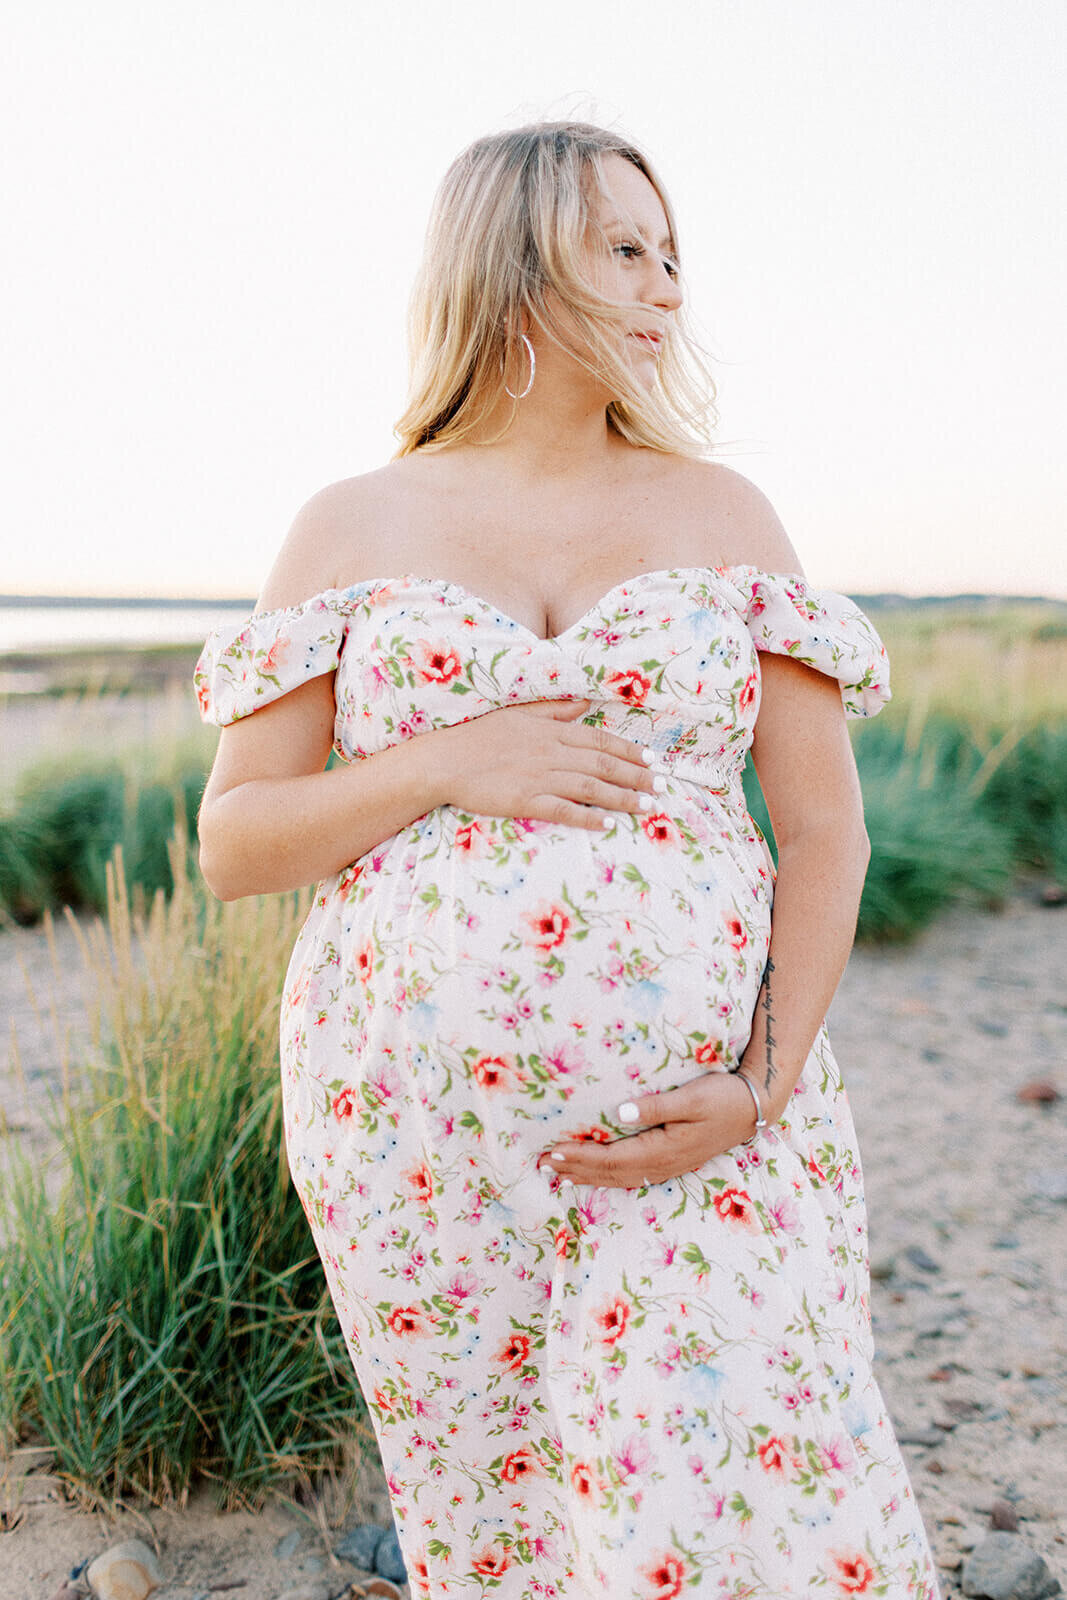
{"x": 805, "y": 765}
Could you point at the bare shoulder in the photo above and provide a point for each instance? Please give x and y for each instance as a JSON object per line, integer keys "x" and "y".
{"x": 743, "y": 527}
{"x": 318, "y": 549}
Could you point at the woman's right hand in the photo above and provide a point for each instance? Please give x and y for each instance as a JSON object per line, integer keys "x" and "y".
{"x": 539, "y": 760}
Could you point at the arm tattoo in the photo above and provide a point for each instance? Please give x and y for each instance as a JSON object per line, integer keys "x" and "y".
{"x": 770, "y": 1041}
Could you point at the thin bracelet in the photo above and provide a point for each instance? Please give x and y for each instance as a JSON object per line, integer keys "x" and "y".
{"x": 761, "y": 1121}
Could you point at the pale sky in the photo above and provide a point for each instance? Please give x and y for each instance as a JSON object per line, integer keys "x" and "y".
{"x": 214, "y": 212}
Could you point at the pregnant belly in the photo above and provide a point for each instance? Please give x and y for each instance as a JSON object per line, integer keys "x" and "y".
{"x": 514, "y": 981}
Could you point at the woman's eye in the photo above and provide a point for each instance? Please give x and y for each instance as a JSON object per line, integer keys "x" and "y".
{"x": 630, "y": 251}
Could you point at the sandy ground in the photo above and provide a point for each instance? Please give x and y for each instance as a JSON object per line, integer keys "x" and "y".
{"x": 967, "y": 1189}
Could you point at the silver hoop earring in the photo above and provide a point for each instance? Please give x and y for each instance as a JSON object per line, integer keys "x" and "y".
{"x": 533, "y": 369}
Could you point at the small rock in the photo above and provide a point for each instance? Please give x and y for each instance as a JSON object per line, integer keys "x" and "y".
{"x": 1006, "y": 1241}
{"x": 388, "y": 1561}
{"x": 127, "y": 1571}
{"x": 883, "y": 1268}
{"x": 1038, "y": 1092}
{"x": 1004, "y": 1567}
{"x": 922, "y": 1436}
{"x": 360, "y": 1545}
{"x": 288, "y": 1545}
{"x": 1053, "y": 894}
{"x": 1003, "y": 1515}
{"x": 919, "y": 1258}
{"x": 995, "y": 1030}
{"x": 382, "y": 1586}
{"x": 963, "y": 1410}
{"x": 934, "y": 1466}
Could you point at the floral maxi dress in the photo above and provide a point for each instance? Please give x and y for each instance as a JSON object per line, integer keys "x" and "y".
{"x": 580, "y": 1392}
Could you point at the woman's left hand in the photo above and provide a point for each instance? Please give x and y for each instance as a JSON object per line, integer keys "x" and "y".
{"x": 679, "y": 1130}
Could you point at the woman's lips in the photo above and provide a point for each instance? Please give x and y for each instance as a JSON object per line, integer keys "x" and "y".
{"x": 652, "y": 340}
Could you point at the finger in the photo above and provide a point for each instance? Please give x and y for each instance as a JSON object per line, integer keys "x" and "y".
{"x": 556, "y": 708}
{"x": 687, "y": 1103}
{"x": 654, "y": 1155}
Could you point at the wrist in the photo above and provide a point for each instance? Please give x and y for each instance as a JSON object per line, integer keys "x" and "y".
{"x": 756, "y": 1106}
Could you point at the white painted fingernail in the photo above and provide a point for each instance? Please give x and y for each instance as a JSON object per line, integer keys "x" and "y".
{"x": 566, "y": 1183}
{"x": 557, "y": 1156}
{"x": 648, "y": 756}
{"x": 645, "y": 802}
{"x": 628, "y": 1112}
{"x": 659, "y": 784}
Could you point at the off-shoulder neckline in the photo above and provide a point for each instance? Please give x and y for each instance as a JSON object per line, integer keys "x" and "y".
{"x": 345, "y": 598}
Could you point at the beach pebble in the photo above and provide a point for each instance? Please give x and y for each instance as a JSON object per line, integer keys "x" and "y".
{"x": 919, "y": 1258}
{"x": 127, "y": 1571}
{"x": 1039, "y": 1091}
{"x": 1005, "y": 1567}
{"x": 383, "y": 1587}
{"x": 360, "y": 1545}
{"x": 1004, "y": 1516}
{"x": 388, "y": 1561}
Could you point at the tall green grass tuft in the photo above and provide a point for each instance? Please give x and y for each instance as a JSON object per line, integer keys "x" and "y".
{"x": 56, "y": 843}
{"x": 167, "y": 1318}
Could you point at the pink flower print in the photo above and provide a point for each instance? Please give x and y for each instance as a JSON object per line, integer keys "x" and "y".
{"x": 707, "y": 1055}
{"x": 593, "y": 1210}
{"x": 460, "y": 1286}
{"x": 735, "y": 932}
{"x": 277, "y": 655}
{"x": 471, "y": 837}
{"x": 748, "y": 692}
{"x": 564, "y": 1058}
{"x": 410, "y": 1321}
{"x": 375, "y": 681}
{"x": 335, "y": 1215}
{"x": 775, "y": 1458}
{"x": 585, "y": 1483}
{"x": 634, "y": 1458}
{"x": 838, "y": 1454}
{"x": 439, "y": 662}
{"x": 421, "y": 1180}
{"x": 549, "y": 925}
{"x": 784, "y": 1217}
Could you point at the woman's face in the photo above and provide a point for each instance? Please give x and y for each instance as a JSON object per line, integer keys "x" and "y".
{"x": 628, "y": 258}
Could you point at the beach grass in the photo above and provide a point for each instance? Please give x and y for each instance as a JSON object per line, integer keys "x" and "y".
{"x": 165, "y": 1319}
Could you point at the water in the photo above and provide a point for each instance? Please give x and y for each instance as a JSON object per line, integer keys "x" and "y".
{"x": 64, "y": 626}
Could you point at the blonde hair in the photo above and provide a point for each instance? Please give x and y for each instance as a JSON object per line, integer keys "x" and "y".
{"x": 505, "y": 237}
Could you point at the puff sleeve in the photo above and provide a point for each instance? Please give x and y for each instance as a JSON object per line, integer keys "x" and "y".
{"x": 820, "y": 628}
{"x": 266, "y": 657}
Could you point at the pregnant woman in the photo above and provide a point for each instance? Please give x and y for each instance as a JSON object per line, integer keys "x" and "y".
{"x": 559, "y": 1103}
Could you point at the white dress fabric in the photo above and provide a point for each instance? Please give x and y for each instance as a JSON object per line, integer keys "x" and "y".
{"x": 591, "y": 1391}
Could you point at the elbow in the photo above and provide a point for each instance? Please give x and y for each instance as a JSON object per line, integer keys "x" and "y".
{"x": 218, "y": 867}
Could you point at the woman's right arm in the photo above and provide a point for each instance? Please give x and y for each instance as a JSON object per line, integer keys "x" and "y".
{"x": 272, "y": 819}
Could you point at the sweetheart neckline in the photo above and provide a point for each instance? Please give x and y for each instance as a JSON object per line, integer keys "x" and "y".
{"x": 639, "y": 578}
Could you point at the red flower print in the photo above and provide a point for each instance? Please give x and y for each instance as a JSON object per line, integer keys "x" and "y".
{"x": 585, "y": 1483}
{"x": 409, "y": 1321}
{"x": 470, "y": 837}
{"x": 419, "y": 1573}
{"x": 630, "y": 686}
{"x": 348, "y": 881}
{"x": 612, "y": 1319}
{"x": 520, "y": 1464}
{"x": 492, "y": 1562}
{"x": 385, "y": 1403}
{"x": 854, "y": 1572}
{"x": 774, "y": 1457}
{"x": 735, "y": 1205}
{"x": 665, "y": 1577}
{"x": 735, "y": 932}
{"x": 344, "y": 1103}
{"x": 493, "y": 1072}
{"x": 203, "y": 695}
{"x": 513, "y": 1352}
{"x": 591, "y": 1136}
{"x": 748, "y": 692}
{"x": 365, "y": 962}
{"x": 440, "y": 663}
{"x": 421, "y": 1180}
{"x": 660, "y": 829}
{"x": 548, "y": 924}
{"x": 707, "y": 1054}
